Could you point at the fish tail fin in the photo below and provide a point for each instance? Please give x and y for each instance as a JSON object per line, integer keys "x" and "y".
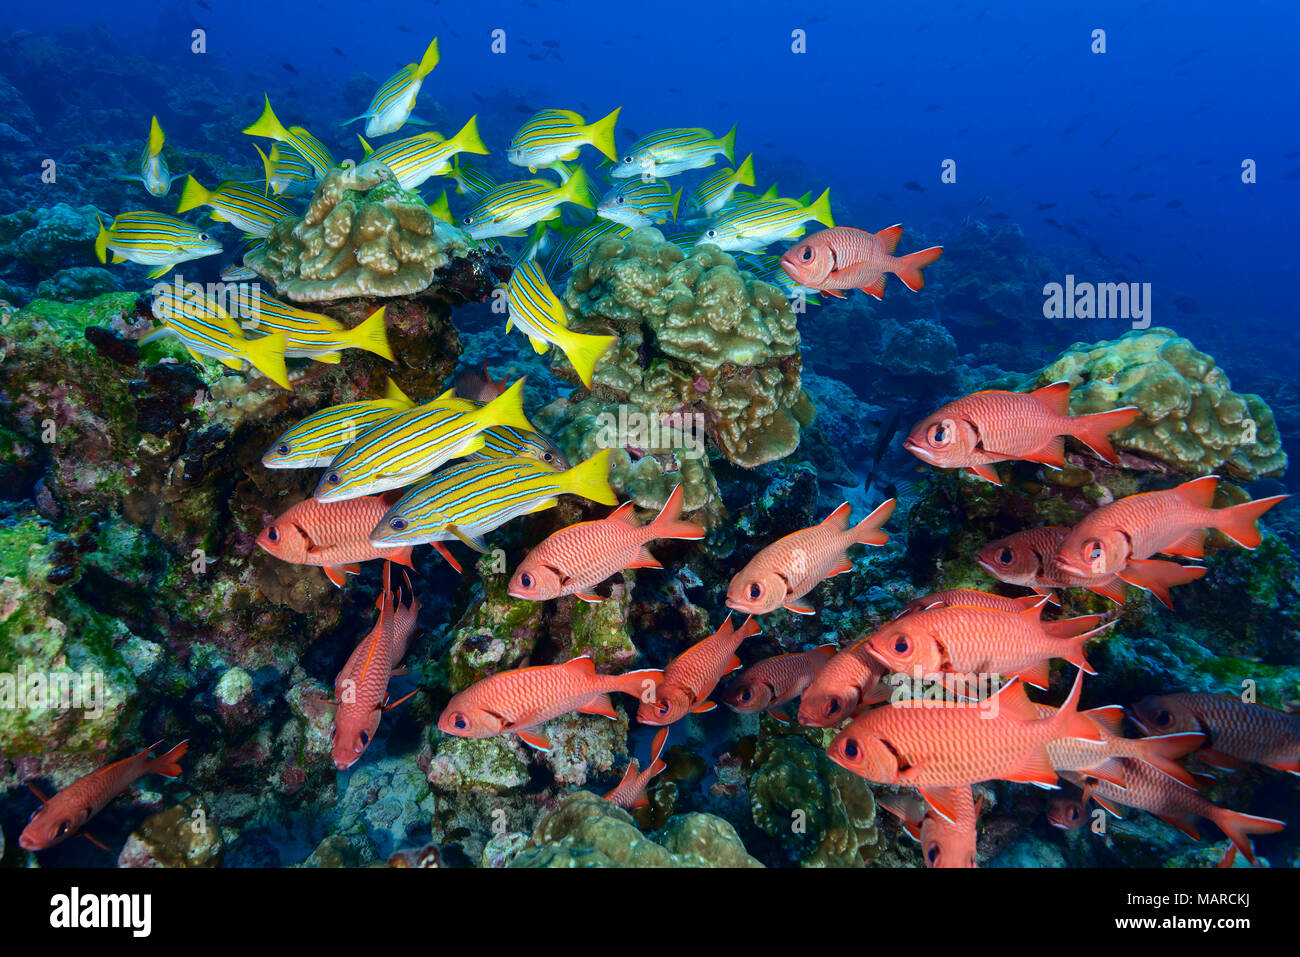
{"x": 677, "y": 198}
{"x": 1238, "y": 521}
{"x": 602, "y": 134}
{"x": 908, "y": 268}
{"x": 668, "y": 523}
{"x": 366, "y": 149}
{"x": 393, "y": 392}
{"x": 635, "y": 682}
{"x": 1094, "y": 430}
{"x": 1164, "y": 751}
{"x": 428, "y": 61}
{"x": 155, "y": 137}
{"x": 101, "y": 240}
{"x": 267, "y": 124}
{"x": 1073, "y": 651}
{"x": 192, "y": 196}
{"x": 820, "y": 210}
{"x": 575, "y": 189}
{"x": 728, "y": 144}
{"x": 507, "y": 409}
{"x": 1070, "y": 722}
{"x": 868, "y": 531}
{"x": 441, "y": 208}
{"x": 372, "y": 336}
{"x": 584, "y": 352}
{"x": 468, "y": 139}
{"x": 266, "y": 355}
{"x": 745, "y": 172}
{"x": 1239, "y": 827}
{"x": 749, "y": 629}
{"x": 169, "y": 764}
{"x": 590, "y": 479}
{"x": 268, "y": 165}
{"x": 1066, "y": 627}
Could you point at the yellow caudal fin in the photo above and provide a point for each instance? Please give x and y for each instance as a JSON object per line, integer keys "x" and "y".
{"x": 728, "y": 144}
{"x": 267, "y": 124}
{"x": 155, "y": 137}
{"x": 394, "y": 394}
{"x": 575, "y": 189}
{"x": 602, "y": 134}
{"x": 745, "y": 174}
{"x": 372, "y": 336}
{"x": 192, "y": 196}
{"x": 428, "y": 61}
{"x": 441, "y": 208}
{"x": 266, "y": 355}
{"x": 101, "y": 241}
{"x": 590, "y": 479}
{"x": 366, "y": 148}
{"x": 677, "y": 198}
{"x": 821, "y": 209}
{"x": 268, "y": 164}
{"x": 507, "y": 409}
{"x": 584, "y": 352}
{"x": 468, "y": 140}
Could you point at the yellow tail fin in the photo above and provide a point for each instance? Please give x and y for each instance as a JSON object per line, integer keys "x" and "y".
{"x": 602, "y": 134}
{"x": 821, "y": 209}
{"x": 745, "y": 174}
{"x": 428, "y": 61}
{"x": 468, "y": 139}
{"x": 395, "y": 394}
{"x": 101, "y": 241}
{"x": 366, "y": 148}
{"x": 590, "y": 479}
{"x": 267, "y": 124}
{"x": 507, "y": 409}
{"x": 575, "y": 189}
{"x": 372, "y": 336}
{"x": 155, "y": 137}
{"x": 728, "y": 145}
{"x": 441, "y": 208}
{"x": 584, "y": 352}
{"x": 193, "y": 195}
{"x": 266, "y": 355}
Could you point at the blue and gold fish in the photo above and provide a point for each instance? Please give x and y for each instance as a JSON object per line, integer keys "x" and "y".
{"x": 640, "y": 202}
{"x": 416, "y": 158}
{"x": 153, "y": 168}
{"x": 669, "y": 152}
{"x": 554, "y": 135}
{"x": 244, "y": 208}
{"x": 392, "y": 104}
{"x": 511, "y": 208}
{"x": 751, "y": 226}
{"x": 471, "y": 181}
{"x": 578, "y": 244}
{"x": 153, "y": 239}
{"x": 540, "y": 315}
{"x": 287, "y": 171}
{"x": 317, "y": 439}
{"x": 716, "y": 191}
{"x": 304, "y": 144}
{"x": 310, "y": 335}
{"x": 206, "y": 329}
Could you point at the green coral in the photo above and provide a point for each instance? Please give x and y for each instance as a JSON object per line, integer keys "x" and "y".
{"x": 495, "y": 633}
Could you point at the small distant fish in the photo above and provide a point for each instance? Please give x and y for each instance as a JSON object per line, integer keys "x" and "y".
{"x": 338, "y": 51}
{"x": 554, "y": 135}
{"x": 673, "y": 151}
{"x": 914, "y": 186}
{"x": 1187, "y": 305}
{"x": 1173, "y": 204}
{"x": 786, "y": 570}
{"x": 691, "y": 677}
{"x": 60, "y": 817}
{"x": 630, "y": 792}
{"x": 393, "y": 102}
{"x": 1021, "y": 148}
{"x": 289, "y": 67}
{"x": 772, "y": 682}
{"x": 519, "y": 701}
{"x": 202, "y": 4}
{"x": 1040, "y": 206}
{"x": 574, "y": 560}
{"x": 153, "y": 173}
{"x": 1140, "y": 196}
{"x": 931, "y": 107}
{"x": 845, "y": 258}
{"x": 153, "y": 239}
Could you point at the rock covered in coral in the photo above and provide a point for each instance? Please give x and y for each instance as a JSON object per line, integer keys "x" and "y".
{"x": 362, "y": 235}
{"x": 1191, "y": 419}
{"x": 180, "y": 836}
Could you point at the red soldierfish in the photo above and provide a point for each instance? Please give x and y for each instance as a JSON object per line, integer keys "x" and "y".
{"x": 915, "y": 744}
{"x": 1029, "y": 558}
{"x": 1104, "y": 760}
{"x": 981, "y": 429}
{"x": 789, "y": 568}
{"x": 1065, "y": 628}
{"x": 1149, "y": 790}
{"x": 1235, "y": 731}
{"x": 846, "y": 258}
{"x": 630, "y": 792}
{"x": 576, "y": 559}
{"x": 944, "y": 843}
{"x": 1120, "y": 538}
{"x": 770, "y": 683}
{"x": 518, "y": 701}
{"x": 849, "y": 681}
{"x": 1066, "y": 813}
{"x": 63, "y": 815}
{"x": 690, "y": 678}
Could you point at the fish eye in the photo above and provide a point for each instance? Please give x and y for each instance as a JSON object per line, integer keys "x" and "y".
{"x": 851, "y": 749}
{"x": 548, "y": 457}
{"x": 63, "y": 828}
{"x": 203, "y": 237}
{"x": 1074, "y": 813}
{"x": 272, "y": 534}
{"x": 628, "y": 159}
{"x": 932, "y": 855}
{"x": 939, "y": 435}
{"x": 1092, "y": 549}
{"x": 365, "y": 738}
{"x": 459, "y": 722}
{"x": 807, "y": 253}
{"x": 332, "y": 478}
{"x": 712, "y": 234}
{"x": 745, "y": 695}
{"x": 901, "y": 644}
{"x": 832, "y": 708}
{"x": 1004, "y": 557}
{"x": 282, "y": 448}
{"x": 526, "y": 581}
{"x": 397, "y": 524}
{"x": 661, "y": 706}
{"x": 620, "y": 200}
{"x": 1163, "y": 717}
{"x": 468, "y": 220}
{"x": 755, "y": 590}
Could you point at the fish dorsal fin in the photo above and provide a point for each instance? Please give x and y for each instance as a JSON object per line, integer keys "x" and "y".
{"x": 625, "y": 514}
{"x": 1110, "y": 717}
{"x": 889, "y": 238}
{"x": 839, "y": 519}
{"x": 392, "y": 392}
{"x": 1055, "y": 396}
{"x": 583, "y": 664}
{"x": 1013, "y": 700}
{"x": 1199, "y": 491}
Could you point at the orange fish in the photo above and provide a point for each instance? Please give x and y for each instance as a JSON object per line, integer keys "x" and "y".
{"x": 65, "y": 814}
{"x": 915, "y": 744}
{"x": 1120, "y": 538}
{"x": 690, "y": 678}
{"x": 968, "y": 640}
{"x": 789, "y": 568}
{"x": 982, "y": 429}
{"x": 849, "y": 681}
{"x": 967, "y": 596}
{"x": 846, "y": 258}
{"x": 1105, "y": 759}
{"x": 576, "y": 559}
{"x": 1236, "y": 731}
{"x": 1029, "y": 558}
{"x": 336, "y": 535}
{"x": 770, "y": 683}
{"x": 630, "y": 792}
{"x": 361, "y": 688}
{"x": 1149, "y": 790}
{"x": 944, "y": 843}
{"x": 1066, "y": 813}
{"x": 519, "y": 700}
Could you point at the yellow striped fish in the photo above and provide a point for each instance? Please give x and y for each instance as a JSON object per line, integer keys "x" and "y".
{"x": 466, "y": 500}
{"x": 752, "y": 225}
{"x": 416, "y": 158}
{"x": 535, "y": 309}
{"x": 640, "y": 202}
{"x": 287, "y": 171}
{"x": 153, "y": 239}
{"x": 511, "y": 208}
{"x": 392, "y": 104}
{"x": 504, "y": 442}
{"x": 205, "y": 328}
{"x": 716, "y": 190}
{"x": 669, "y": 152}
{"x": 245, "y": 209}
{"x": 153, "y": 168}
{"x": 315, "y": 440}
{"x": 303, "y": 143}
{"x": 554, "y": 135}
{"x": 402, "y": 449}
{"x": 472, "y": 181}
{"x": 313, "y": 336}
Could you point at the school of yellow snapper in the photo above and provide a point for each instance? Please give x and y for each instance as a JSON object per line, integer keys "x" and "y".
{"x": 397, "y": 473}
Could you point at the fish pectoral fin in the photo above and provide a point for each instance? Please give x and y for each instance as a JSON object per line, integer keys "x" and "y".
{"x": 703, "y": 707}
{"x": 539, "y": 345}
{"x": 600, "y": 705}
{"x": 1217, "y": 759}
{"x": 232, "y": 364}
{"x": 96, "y": 841}
{"x": 1038, "y": 674}
{"x": 986, "y": 472}
{"x": 644, "y": 560}
{"x": 799, "y": 608}
{"x": 475, "y": 543}
{"x": 778, "y": 714}
{"x": 1191, "y": 545}
{"x": 940, "y": 800}
{"x": 845, "y": 565}
{"x": 1052, "y": 454}
{"x": 589, "y": 596}
{"x": 338, "y": 574}
{"x": 1036, "y": 769}
{"x": 535, "y": 740}
{"x": 441, "y": 549}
